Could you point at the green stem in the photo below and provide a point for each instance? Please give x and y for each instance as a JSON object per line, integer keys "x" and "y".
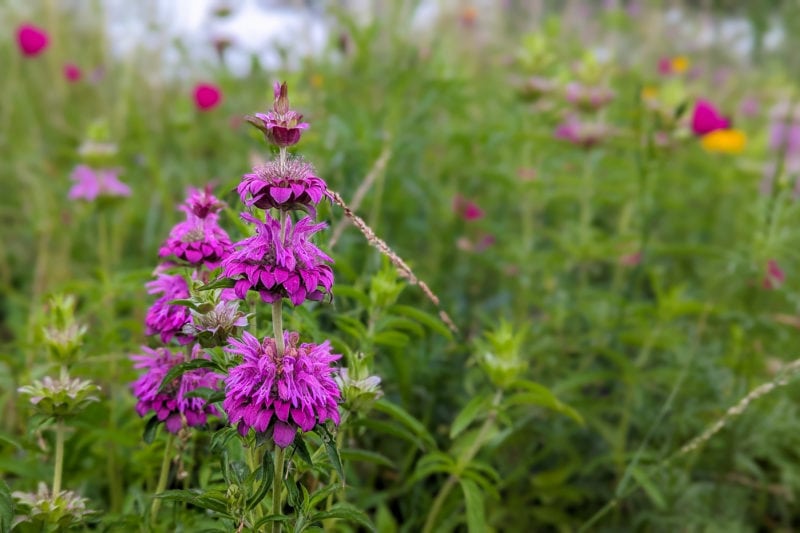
{"x": 59, "y": 466}
{"x": 462, "y": 463}
{"x": 277, "y": 487}
{"x": 162, "y": 480}
{"x": 277, "y": 325}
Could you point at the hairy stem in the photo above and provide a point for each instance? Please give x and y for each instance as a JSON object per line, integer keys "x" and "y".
{"x": 162, "y": 479}
{"x": 277, "y": 486}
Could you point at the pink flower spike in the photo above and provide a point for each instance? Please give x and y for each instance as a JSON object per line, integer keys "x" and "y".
{"x": 207, "y": 96}
{"x": 665, "y": 66}
{"x": 32, "y": 40}
{"x": 774, "y": 277}
{"x": 706, "y": 118}
{"x": 72, "y": 73}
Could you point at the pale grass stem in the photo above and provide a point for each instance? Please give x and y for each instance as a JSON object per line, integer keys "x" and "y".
{"x": 402, "y": 267}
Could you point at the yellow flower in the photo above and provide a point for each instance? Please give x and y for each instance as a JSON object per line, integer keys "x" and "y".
{"x": 680, "y": 64}
{"x": 649, "y": 93}
{"x": 724, "y": 141}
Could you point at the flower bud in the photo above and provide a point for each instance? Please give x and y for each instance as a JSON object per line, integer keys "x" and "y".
{"x": 61, "y": 397}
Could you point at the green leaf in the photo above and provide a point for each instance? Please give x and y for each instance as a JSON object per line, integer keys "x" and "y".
{"x": 431, "y": 321}
{"x": 348, "y": 512}
{"x": 207, "y": 393}
{"x": 392, "y": 339}
{"x": 293, "y": 493}
{"x": 330, "y": 447}
{"x": 219, "y": 283}
{"x": 402, "y": 416}
{"x": 221, "y": 438}
{"x": 366, "y": 456}
{"x": 212, "y": 500}
{"x": 151, "y": 429}
{"x": 322, "y": 493}
{"x": 6, "y": 507}
{"x": 473, "y": 498}
{"x": 468, "y": 414}
{"x": 348, "y": 291}
{"x": 540, "y": 395}
{"x": 650, "y": 489}
{"x": 269, "y": 519}
{"x": 264, "y": 474}
{"x": 178, "y": 370}
{"x": 301, "y": 449}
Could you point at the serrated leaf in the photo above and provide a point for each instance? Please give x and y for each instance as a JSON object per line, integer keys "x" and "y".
{"x": 469, "y": 413}
{"x": 151, "y": 429}
{"x": 473, "y": 499}
{"x": 265, "y": 475}
{"x": 178, "y": 370}
{"x": 6, "y": 507}
{"x": 345, "y": 511}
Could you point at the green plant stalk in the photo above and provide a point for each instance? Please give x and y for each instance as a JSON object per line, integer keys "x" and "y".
{"x": 162, "y": 480}
{"x": 277, "y": 486}
{"x": 58, "y": 468}
{"x": 462, "y": 463}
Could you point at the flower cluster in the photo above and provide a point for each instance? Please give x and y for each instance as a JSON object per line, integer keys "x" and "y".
{"x": 280, "y": 385}
{"x": 281, "y": 392}
{"x": 173, "y": 404}
{"x": 715, "y": 131}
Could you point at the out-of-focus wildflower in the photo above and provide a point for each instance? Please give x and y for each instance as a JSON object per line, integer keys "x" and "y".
{"x": 706, "y": 118}
{"x": 535, "y": 87}
{"x": 63, "y": 335}
{"x": 724, "y": 141}
{"x": 749, "y": 106}
{"x": 173, "y": 405}
{"x": 358, "y": 394}
{"x": 588, "y": 98}
{"x": 290, "y": 185}
{"x": 61, "y": 397}
{"x": 32, "y": 40}
{"x": 91, "y": 184}
{"x": 202, "y": 203}
{"x": 61, "y": 511}
{"x": 165, "y": 318}
{"x": 468, "y": 16}
{"x": 466, "y": 209}
{"x": 673, "y": 65}
{"x": 72, "y": 73}
{"x": 630, "y": 260}
{"x": 207, "y": 96}
{"x": 281, "y": 126}
{"x": 774, "y": 276}
{"x": 583, "y": 134}
{"x": 197, "y": 241}
{"x": 281, "y": 392}
{"x": 291, "y": 267}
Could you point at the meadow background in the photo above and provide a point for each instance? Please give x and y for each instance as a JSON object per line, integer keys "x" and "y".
{"x": 614, "y": 295}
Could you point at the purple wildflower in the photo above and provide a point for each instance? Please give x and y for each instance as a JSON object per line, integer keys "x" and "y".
{"x": 289, "y": 186}
{"x": 164, "y": 318}
{"x": 201, "y": 203}
{"x": 197, "y": 241}
{"x": 293, "y": 268}
{"x": 173, "y": 405}
{"x": 583, "y": 134}
{"x": 91, "y": 184}
{"x": 281, "y": 126}
{"x": 213, "y": 327}
{"x": 282, "y": 392}
{"x": 588, "y": 98}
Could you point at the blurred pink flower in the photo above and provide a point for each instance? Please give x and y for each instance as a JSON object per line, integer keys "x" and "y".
{"x": 749, "y": 106}
{"x": 774, "y": 277}
{"x": 466, "y": 209}
{"x": 32, "y": 40}
{"x": 72, "y": 73}
{"x": 630, "y": 260}
{"x": 583, "y": 134}
{"x": 588, "y": 98}
{"x": 207, "y": 96}
{"x": 706, "y": 118}
{"x": 91, "y": 184}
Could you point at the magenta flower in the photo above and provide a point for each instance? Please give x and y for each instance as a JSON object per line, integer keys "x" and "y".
{"x": 281, "y": 126}
{"x": 289, "y": 186}
{"x": 588, "y": 98}
{"x": 466, "y": 209}
{"x": 201, "y": 203}
{"x": 281, "y": 392}
{"x": 206, "y": 96}
{"x": 774, "y": 277}
{"x": 292, "y": 268}
{"x": 32, "y": 40}
{"x": 706, "y": 118}
{"x": 164, "y": 318}
{"x": 91, "y": 184}
{"x": 173, "y": 405}
{"x": 72, "y": 73}
{"x": 197, "y": 241}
